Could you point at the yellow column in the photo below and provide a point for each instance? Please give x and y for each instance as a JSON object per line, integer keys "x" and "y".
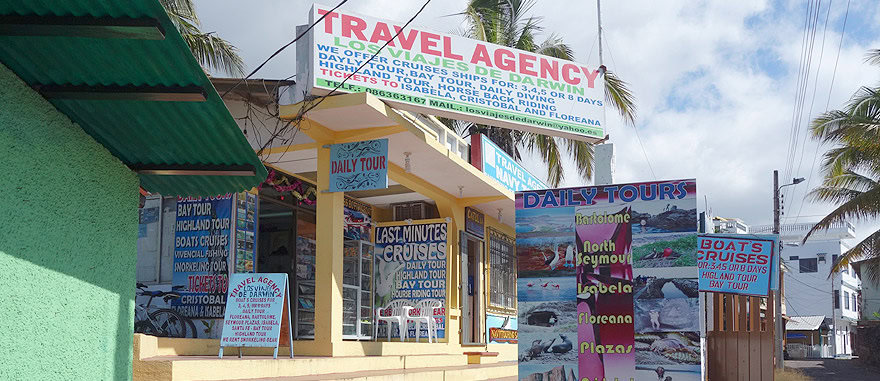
{"x": 328, "y": 267}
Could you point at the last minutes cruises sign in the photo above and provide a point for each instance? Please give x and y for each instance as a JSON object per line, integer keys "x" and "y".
{"x": 457, "y": 77}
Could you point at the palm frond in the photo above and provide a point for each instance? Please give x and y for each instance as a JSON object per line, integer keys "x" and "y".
{"x": 617, "y": 93}
{"x": 548, "y": 149}
{"x": 554, "y": 47}
{"x": 873, "y": 57}
{"x": 854, "y": 205}
{"x": 868, "y": 248}
{"x": 582, "y": 153}
{"x": 215, "y": 52}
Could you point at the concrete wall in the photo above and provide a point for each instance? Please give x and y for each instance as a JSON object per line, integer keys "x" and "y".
{"x": 68, "y": 211}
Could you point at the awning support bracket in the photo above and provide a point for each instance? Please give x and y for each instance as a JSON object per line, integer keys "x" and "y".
{"x": 123, "y": 93}
{"x": 193, "y": 170}
{"x": 81, "y": 26}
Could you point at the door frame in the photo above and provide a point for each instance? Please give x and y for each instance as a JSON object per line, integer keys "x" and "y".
{"x": 477, "y": 318}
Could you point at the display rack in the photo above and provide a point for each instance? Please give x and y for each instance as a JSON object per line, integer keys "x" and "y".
{"x": 357, "y": 290}
{"x": 305, "y": 288}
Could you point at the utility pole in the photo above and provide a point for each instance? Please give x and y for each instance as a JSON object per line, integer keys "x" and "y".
{"x": 599, "y": 14}
{"x": 604, "y": 152}
{"x": 778, "y": 294}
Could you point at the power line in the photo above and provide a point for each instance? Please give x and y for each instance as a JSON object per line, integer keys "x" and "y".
{"x": 312, "y": 104}
{"x": 323, "y": 97}
{"x": 804, "y": 70}
{"x": 827, "y": 103}
{"x": 638, "y": 136}
{"x": 813, "y": 102}
{"x": 284, "y": 47}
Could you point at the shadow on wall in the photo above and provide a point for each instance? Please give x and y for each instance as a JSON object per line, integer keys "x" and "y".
{"x": 68, "y": 234}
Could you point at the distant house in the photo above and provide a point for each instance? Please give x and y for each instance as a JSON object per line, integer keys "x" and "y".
{"x": 810, "y": 287}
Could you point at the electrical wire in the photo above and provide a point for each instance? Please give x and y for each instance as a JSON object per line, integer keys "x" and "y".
{"x": 804, "y": 71}
{"x": 827, "y": 104}
{"x": 323, "y": 97}
{"x": 308, "y": 106}
{"x": 277, "y": 52}
{"x": 638, "y": 136}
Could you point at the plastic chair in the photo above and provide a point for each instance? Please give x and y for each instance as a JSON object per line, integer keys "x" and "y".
{"x": 398, "y": 309}
{"x": 425, "y": 312}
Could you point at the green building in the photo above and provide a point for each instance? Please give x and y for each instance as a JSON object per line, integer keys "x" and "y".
{"x": 97, "y": 99}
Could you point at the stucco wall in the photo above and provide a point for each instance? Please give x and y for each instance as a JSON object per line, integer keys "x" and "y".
{"x": 68, "y": 232}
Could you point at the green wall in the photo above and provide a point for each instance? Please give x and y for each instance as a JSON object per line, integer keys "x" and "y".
{"x": 68, "y": 245}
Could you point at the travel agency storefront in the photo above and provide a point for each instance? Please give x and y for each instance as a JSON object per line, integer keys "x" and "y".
{"x": 439, "y": 235}
{"x": 371, "y": 205}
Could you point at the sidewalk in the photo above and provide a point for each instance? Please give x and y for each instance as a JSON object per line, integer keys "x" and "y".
{"x": 834, "y": 369}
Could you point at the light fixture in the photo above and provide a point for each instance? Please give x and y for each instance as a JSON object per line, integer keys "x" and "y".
{"x": 461, "y": 191}
{"x": 408, "y": 221}
{"x": 407, "y": 164}
{"x": 499, "y": 214}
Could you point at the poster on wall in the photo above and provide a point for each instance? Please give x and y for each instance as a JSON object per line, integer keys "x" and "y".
{"x": 245, "y": 232}
{"x": 501, "y": 329}
{"x": 626, "y": 254}
{"x": 452, "y": 76}
{"x": 736, "y": 264}
{"x": 200, "y": 272}
{"x": 359, "y": 166}
{"x": 255, "y": 310}
{"x": 410, "y": 269}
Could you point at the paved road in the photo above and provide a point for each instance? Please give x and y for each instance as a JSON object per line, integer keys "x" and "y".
{"x": 836, "y": 369}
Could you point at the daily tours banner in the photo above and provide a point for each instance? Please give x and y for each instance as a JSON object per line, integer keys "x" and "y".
{"x": 454, "y": 76}
{"x": 411, "y": 268}
{"x": 607, "y": 282}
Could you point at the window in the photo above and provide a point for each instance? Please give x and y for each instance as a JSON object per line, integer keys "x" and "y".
{"x": 836, "y": 297}
{"x": 502, "y": 270}
{"x": 855, "y": 303}
{"x": 155, "y": 245}
{"x": 821, "y": 257}
{"x": 845, "y": 300}
{"x": 808, "y": 265}
{"x": 793, "y": 258}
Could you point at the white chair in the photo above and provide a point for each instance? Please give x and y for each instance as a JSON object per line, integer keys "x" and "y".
{"x": 397, "y": 309}
{"x": 425, "y": 312}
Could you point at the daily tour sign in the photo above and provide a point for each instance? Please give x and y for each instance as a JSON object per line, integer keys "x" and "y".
{"x": 736, "y": 265}
{"x": 453, "y": 76}
{"x": 359, "y": 165}
{"x": 607, "y": 282}
{"x": 255, "y": 310}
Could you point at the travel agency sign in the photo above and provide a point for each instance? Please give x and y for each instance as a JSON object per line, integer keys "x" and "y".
{"x": 453, "y": 76}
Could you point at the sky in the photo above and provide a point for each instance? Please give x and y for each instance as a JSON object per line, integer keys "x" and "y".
{"x": 715, "y": 82}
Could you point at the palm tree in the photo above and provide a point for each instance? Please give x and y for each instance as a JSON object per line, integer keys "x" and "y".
{"x": 852, "y": 170}
{"x": 504, "y": 22}
{"x": 210, "y": 50}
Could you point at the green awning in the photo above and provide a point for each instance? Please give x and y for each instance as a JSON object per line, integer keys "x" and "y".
{"x": 122, "y": 72}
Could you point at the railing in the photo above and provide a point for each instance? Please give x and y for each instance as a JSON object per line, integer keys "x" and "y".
{"x": 443, "y": 134}
{"x": 800, "y": 228}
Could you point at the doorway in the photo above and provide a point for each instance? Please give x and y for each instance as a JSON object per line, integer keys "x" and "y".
{"x": 471, "y": 289}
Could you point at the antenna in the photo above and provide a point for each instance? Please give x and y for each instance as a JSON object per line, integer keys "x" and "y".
{"x": 599, "y": 15}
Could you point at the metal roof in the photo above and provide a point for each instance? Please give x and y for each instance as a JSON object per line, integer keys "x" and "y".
{"x": 138, "y": 132}
{"x": 804, "y": 323}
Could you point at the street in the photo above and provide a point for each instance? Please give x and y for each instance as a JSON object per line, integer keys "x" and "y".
{"x": 834, "y": 369}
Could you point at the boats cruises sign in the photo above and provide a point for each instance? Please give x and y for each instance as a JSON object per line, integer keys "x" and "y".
{"x": 736, "y": 265}
{"x": 456, "y": 77}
